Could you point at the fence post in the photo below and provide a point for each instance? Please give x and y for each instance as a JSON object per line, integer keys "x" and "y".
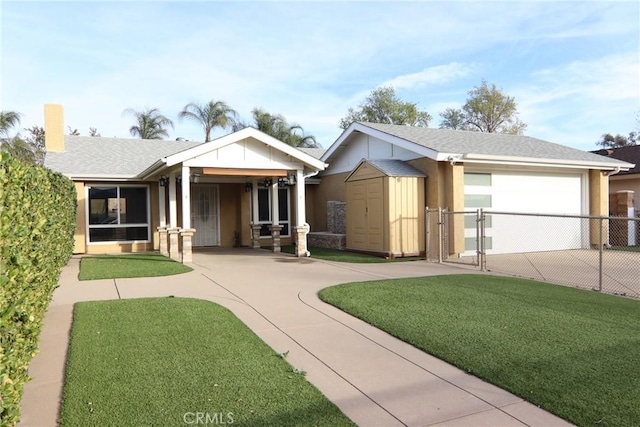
{"x": 600, "y": 253}
{"x": 427, "y": 227}
{"x": 440, "y": 234}
{"x": 478, "y": 244}
{"x": 481, "y": 228}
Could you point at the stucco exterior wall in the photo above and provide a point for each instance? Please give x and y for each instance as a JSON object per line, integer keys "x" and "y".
{"x": 331, "y": 187}
{"x": 598, "y": 205}
{"x": 626, "y": 183}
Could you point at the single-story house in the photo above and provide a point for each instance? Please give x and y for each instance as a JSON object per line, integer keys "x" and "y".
{"x": 387, "y": 175}
{"x": 249, "y": 189}
{"x": 624, "y": 187}
{"x": 245, "y": 188}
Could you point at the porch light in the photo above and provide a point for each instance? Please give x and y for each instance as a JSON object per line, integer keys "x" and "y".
{"x": 267, "y": 182}
{"x": 248, "y": 187}
{"x": 178, "y": 180}
{"x": 164, "y": 181}
{"x": 195, "y": 178}
{"x": 292, "y": 179}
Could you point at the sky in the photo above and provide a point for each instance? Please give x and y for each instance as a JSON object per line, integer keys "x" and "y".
{"x": 572, "y": 67}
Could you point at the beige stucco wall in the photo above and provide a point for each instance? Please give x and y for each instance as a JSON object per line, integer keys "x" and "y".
{"x": 331, "y": 187}
{"x": 626, "y": 183}
{"x": 598, "y": 204}
{"x": 80, "y": 245}
{"x": 230, "y": 208}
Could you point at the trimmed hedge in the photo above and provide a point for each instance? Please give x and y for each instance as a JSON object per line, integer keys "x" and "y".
{"x": 37, "y": 223}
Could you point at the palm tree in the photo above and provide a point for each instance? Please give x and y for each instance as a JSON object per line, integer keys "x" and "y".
{"x": 278, "y": 127}
{"x": 8, "y": 120}
{"x": 150, "y": 124}
{"x": 211, "y": 115}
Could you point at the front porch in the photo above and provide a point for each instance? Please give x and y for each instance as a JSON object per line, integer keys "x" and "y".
{"x": 245, "y": 189}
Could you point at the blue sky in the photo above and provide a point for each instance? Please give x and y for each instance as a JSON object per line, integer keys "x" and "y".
{"x": 573, "y": 67}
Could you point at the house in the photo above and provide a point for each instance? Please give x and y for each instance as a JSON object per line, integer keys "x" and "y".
{"x": 245, "y": 188}
{"x": 456, "y": 170}
{"x": 625, "y": 185}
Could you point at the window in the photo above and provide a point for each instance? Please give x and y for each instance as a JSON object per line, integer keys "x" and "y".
{"x": 483, "y": 179}
{"x": 477, "y": 200}
{"x": 264, "y": 210}
{"x": 118, "y": 213}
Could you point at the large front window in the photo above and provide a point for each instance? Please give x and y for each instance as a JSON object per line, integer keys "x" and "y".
{"x": 264, "y": 210}
{"x": 118, "y": 213}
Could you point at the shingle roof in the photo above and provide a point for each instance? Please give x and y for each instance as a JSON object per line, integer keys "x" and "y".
{"x": 393, "y": 167}
{"x": 313, "y": 152}
{"x": 629, "y": 154}
{"x": 491, "y": 144}
{"x": 98, "y": 156}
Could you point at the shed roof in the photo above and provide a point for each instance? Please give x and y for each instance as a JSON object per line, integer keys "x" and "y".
{"x": 393, "y": 167}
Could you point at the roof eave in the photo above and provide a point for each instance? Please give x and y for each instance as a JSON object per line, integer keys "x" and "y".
{"x": 514, "y": 160}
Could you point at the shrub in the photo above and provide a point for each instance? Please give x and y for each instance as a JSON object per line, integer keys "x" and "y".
{"x": 37, "y": 223}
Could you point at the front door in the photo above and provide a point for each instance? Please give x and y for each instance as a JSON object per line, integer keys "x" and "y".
{"x": 205, "y": 214}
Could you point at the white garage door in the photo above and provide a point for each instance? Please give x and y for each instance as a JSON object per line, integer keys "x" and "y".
{"x": 542, "y": 193}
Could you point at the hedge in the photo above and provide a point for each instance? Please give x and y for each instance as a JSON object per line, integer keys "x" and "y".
{"x": 37, "y": 223}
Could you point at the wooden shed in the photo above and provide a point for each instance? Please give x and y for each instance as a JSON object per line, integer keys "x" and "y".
{"x": 385, "y": 208}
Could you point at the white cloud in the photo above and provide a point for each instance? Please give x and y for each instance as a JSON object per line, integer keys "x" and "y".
{"x": 435, "y": 75}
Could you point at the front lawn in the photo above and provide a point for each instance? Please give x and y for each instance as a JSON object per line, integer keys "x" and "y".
{"x": 575, "y": 353}
{"x": 163, "y": 361}
{"x": 129, "y": 265}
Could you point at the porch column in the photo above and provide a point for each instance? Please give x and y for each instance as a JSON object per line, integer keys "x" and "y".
{"x": 186, "y": 197}
{"x": 173, "y": 202}
{"x": 172, "y": 229}
{"x": 255, "y": 227}
{"x": 186, "y": 235}
{"x": 174, "y": 249}
{"x": 275, "y": 216}
{"x": 162, "y": 229}
{"x": 301, "y": 228}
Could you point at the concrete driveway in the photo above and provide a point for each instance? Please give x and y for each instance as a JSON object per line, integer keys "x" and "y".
{"x": 372, "y": 377}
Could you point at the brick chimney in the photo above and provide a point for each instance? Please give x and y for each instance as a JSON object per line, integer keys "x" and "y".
{"x": 53, "y": 127}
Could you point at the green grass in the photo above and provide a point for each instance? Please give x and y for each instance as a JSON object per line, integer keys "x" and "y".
{"x": 344, "y": 256}
{"x": 575, "y": 353}
{"x": 151, "y": 361}
{"x": 133, "y": 265}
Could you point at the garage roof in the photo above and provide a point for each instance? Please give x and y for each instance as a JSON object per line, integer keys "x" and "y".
{"x": 477, "y": 147}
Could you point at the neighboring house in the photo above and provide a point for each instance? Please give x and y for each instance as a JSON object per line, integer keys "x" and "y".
{"x": 245, "y": 188}
{"x": 456, "y": 170}
{"x": 625, "y": 180}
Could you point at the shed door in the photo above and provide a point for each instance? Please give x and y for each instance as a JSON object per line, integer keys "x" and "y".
{"x": 365, "y": 215}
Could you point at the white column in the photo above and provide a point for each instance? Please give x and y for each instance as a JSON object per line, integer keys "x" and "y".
{"x": 254, "y": 201}
{"x": 301, "y": 206}
{"x": 275, "y": 214}
{"x": 186, "y": 197}
{"x": 161, "y": 209}
{"x": 173, "y": 201}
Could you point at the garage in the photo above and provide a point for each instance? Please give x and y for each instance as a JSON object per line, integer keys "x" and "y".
{"x": 510, "y": 192}
{"x": 385, "y": 208}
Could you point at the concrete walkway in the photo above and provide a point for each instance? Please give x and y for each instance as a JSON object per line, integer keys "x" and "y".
{"x": 372, "y": 377}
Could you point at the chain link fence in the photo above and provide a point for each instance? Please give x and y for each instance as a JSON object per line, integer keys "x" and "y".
{"x": 600, "y": 253}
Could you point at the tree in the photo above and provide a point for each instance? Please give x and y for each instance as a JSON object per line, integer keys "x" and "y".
{"x": 37, "y": 143}
{"x": 8, "y": 120}
{"x": 211, "y": 115}
{"x": 278, "y": 127}
{"x": 609, "y": 141}
{"x": 94, "y": 132}
{"x": 73, "y": 132}
{"x": 453, "y": 118}
{"x": 150, "y": 124}
{"x": 489, "y": 110}
{"x": 383, "y": 106}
